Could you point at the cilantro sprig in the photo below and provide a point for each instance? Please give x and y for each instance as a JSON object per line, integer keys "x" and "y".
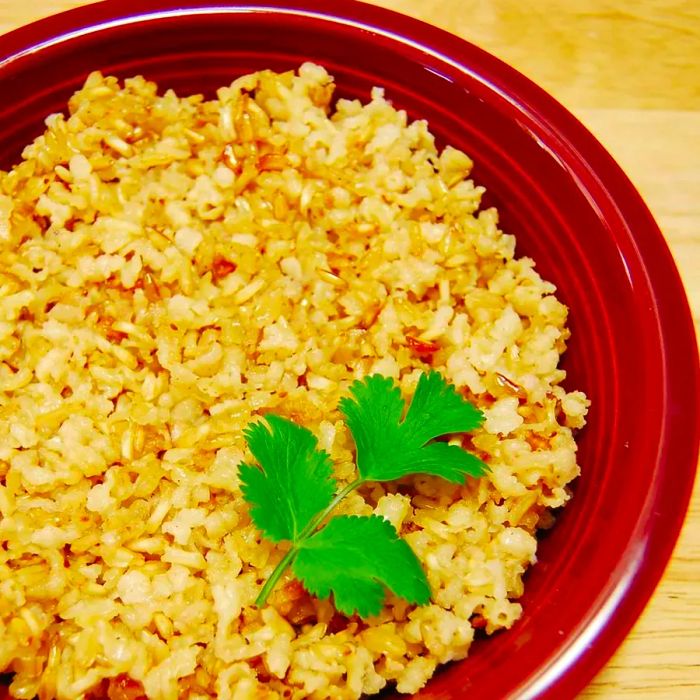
{"x": 291, "y": 490}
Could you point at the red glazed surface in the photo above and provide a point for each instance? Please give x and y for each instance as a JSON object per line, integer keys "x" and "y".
{"x": 572, "y": 209}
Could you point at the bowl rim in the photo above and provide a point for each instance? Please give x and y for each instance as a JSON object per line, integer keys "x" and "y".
{"x": 593, "y": 642}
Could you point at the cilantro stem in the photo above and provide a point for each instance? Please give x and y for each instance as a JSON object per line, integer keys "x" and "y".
{"x": 275, "y": 576}
{"x": 288, "y": 558}
{"x": 313, "y": 525}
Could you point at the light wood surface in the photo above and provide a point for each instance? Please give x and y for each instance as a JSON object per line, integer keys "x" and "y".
{"x": 631, "y": 72}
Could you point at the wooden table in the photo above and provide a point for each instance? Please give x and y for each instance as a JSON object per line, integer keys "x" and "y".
{"x": 631, "y": 72}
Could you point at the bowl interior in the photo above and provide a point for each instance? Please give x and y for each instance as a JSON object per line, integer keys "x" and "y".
{"x": 559, "y": 204}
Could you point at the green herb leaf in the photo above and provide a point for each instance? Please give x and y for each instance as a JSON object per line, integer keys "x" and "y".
{"x": 355, "y": 558}
{"x": 389, "y": 448}
{"x": 437, "y": 409}
{"x": 291, "y": 493}
{"x": 294, "y": 482}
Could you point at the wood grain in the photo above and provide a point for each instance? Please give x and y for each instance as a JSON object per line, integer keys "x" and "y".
{"x": 630, "y": 72}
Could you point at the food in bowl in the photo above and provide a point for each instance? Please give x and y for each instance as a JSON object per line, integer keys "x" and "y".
{"x": 175, "y": 268}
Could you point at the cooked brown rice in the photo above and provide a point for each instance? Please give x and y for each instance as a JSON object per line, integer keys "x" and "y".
{"x": 171, "y": 269}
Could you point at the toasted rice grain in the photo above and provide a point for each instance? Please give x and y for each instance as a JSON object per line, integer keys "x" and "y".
{"x": 175, "y": 267}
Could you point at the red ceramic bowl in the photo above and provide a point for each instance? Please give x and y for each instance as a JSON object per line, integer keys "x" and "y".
{"x": 572, "y": 210}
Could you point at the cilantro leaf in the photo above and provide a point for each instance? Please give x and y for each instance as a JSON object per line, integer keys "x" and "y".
{"x": 389, "y": 448}
{"x": 292, "y": 491}
{"x": 437, "y": 409}
{"x": 294, "y": 482}
{"x": 449, "y": 462}
{"x": 356, "y": 558}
